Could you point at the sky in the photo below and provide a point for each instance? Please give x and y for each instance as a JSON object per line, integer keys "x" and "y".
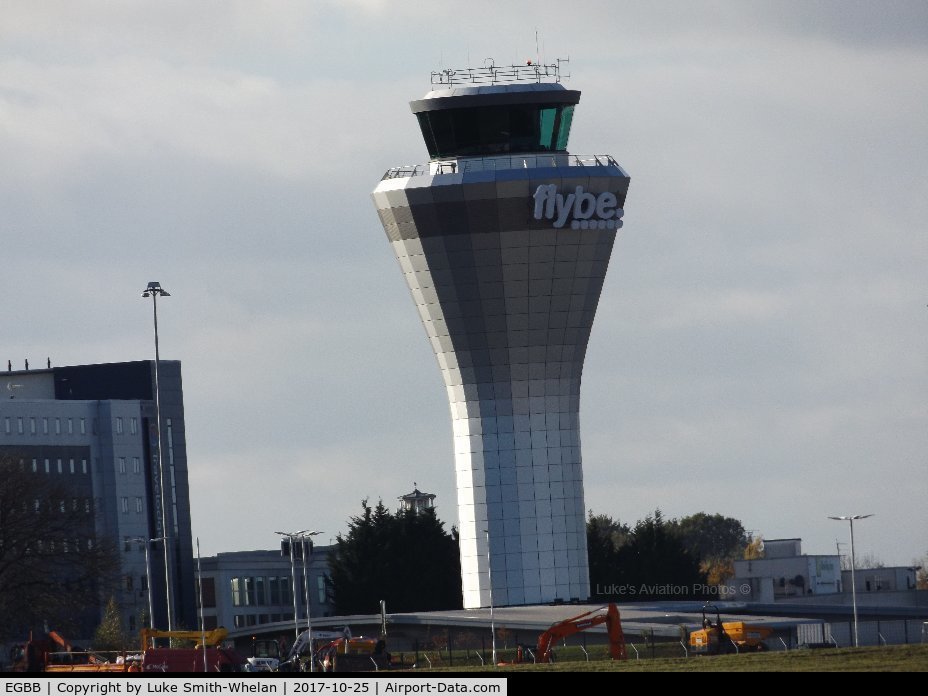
{"x": 761, "y": 345}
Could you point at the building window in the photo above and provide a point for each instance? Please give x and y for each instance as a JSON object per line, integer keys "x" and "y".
{"x": 83, "y": 426}
{"x": 83, "y": 466}
{"x": 134, "y": 426}
{"x": 143, "y": 582}
{"x": 38, "y": 506}
{"x": 320, "y": 587}
{"x": 19, "y": 424}
{"x": 47, "y": 467}
{"x": 136, "y": 466}
{"x": 87, "y": 506}
{"x": 61, "y": 506}
{"x": 280, "y": 591}
{"x": 45, "y": 425}
{"x": 32, "y": 425}
{"x": 209, "y": 593}
{"x": 74, "y": 504}
{"x": 129, "y": 583}
{"x": 7, "y": 425}
{"x": 260, "y": 594}
{"x": 239, "y": 620}
{"x": 35, "y": 466}
{"x": 70, "y": 426}
{"x": 57, "y": 426}
{"x": 250, "y": 620}
{"x": 124, "y": 504}
{"x": 122, "y": 465}
{"x": 60, "y": 468}
{"x": 119, "y": 425}
{"x": 249, "y": 592}
{"x": 64, "y": 545}
{"x": 71, "y": 465}
{"x": 138, "y": 505}
{"x": 236, "y": 593}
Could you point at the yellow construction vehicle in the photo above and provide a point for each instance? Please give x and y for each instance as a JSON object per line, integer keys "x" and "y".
{"x": 210, "y": 638}
{"x": 716, "y": 638}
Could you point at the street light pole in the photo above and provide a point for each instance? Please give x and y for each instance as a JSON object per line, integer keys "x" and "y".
{"x": 151, "y": 601}
{"x": 490, "y": 582}
{"x": 290, "y": 536}
{"x": 154, "y": 290}
{"x": 850, "y": 519}
{"x": 309, "y": 622}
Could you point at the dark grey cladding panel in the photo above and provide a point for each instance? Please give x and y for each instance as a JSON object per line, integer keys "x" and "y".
{"x": 504, "y": 204}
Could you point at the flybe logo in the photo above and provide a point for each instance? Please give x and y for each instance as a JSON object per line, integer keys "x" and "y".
{"x": 585, "y": 211}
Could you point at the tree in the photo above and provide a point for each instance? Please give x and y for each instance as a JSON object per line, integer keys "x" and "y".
{"x": 716, "y": 541}
{"x": 709, "y": 537}
{"x": 109, "y": 635}
{"x": 643, "y": 562}
{"x": 52, "y": 568}
{"x": 604, "y": 536}
{"x": 862, "y": 561}
{"x": 406, "y": 559}
{"x": 654, "y": 560}
{"x": 754, "y": 550}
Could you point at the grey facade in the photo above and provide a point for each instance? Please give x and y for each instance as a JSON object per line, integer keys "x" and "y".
{"x": 93, "y": 427}
{"x": 253, "y": 588}
{"x": 505, "y": 257}
{"x": 785, "y": 573}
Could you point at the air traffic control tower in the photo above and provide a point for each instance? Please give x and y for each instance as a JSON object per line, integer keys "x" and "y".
{"x": 504, "y": 238}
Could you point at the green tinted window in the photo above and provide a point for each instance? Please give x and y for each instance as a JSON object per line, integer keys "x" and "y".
{"x": 547, "y": 117}
{"x": 494, "y": 130}
{"x": 563, "y": 133}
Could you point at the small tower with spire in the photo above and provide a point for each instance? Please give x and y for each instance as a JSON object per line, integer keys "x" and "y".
{"x": 417, "y": 501}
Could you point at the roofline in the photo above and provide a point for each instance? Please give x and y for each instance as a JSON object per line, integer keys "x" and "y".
{"x": 463, "y": 101}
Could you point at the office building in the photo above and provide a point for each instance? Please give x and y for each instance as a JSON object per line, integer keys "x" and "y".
{"x": 91, "y": 428}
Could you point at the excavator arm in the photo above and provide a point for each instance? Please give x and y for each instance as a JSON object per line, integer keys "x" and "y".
{"x": 583, "y": 622}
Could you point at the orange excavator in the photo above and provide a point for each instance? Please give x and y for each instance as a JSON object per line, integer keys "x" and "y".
{"x": 608, "y": 614}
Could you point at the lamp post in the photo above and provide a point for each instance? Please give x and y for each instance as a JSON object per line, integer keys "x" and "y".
{"x": 154, "y": 290}
{"x": 850, "y": 519}
{"x": 151, "y": 602}
{"x": 490, "y": 582}
{"x": 290, "y": 536}
{"x": 309, "y": 623}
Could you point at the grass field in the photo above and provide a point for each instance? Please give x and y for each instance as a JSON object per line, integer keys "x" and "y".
{"x": 894, "y": 658}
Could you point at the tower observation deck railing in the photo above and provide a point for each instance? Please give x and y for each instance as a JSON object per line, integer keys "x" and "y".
{"x": 492, "y": 74}
{"x": 485, "y": 164}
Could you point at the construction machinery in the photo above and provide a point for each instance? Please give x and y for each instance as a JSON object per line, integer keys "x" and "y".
{"x": 36, "y": 653}
{"x": 55, "y": 653}
{"x": 354, "y": 655}
{"x": 718, "y": 637}
{"x": 607, "y": 614}
{"x": 210, "y": 639}
{"x": 207, "y": 654}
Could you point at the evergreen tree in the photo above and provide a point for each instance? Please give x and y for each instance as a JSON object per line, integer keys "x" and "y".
{"x": 406, "y": 559}
{"x": 109, "y": 635}
{"x": 654, "y": 558}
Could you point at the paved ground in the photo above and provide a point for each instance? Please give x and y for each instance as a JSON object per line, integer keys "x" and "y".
{"x": 664, "y": 618}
